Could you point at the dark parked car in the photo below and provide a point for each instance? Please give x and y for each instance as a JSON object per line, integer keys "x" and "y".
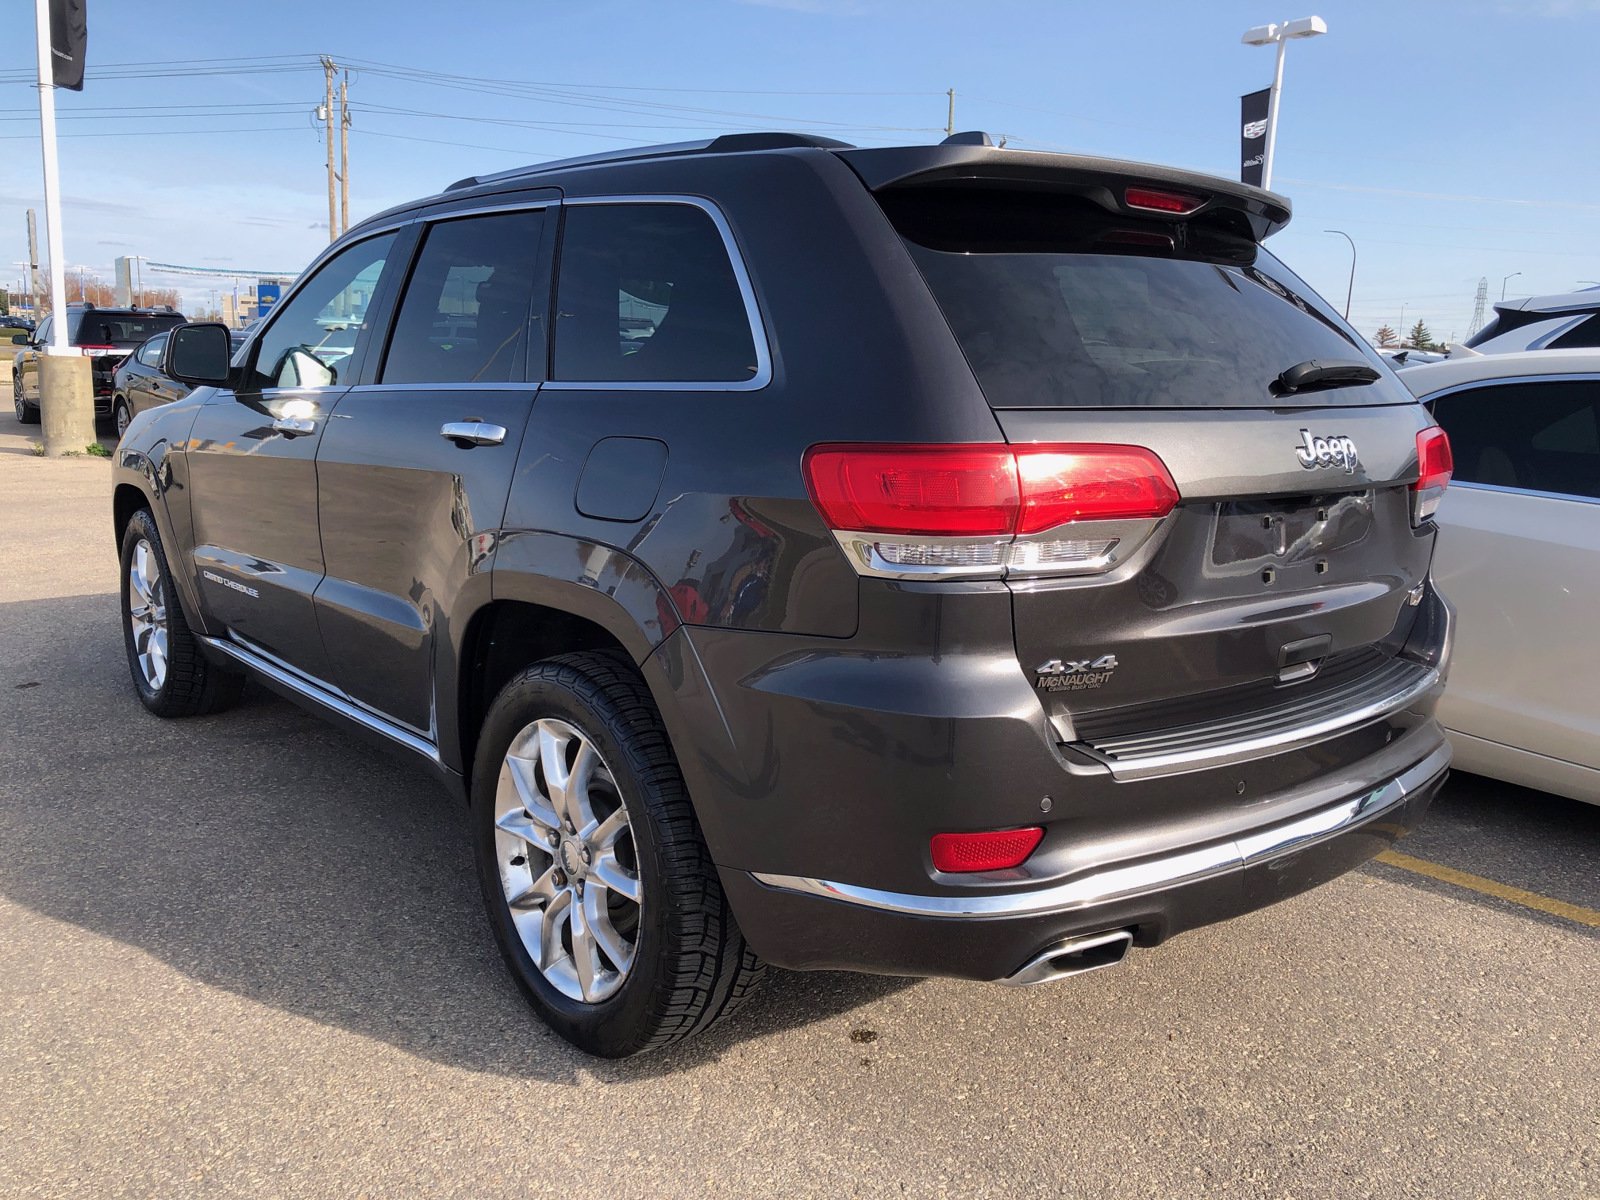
{"x": 985, "y": 561}
{"x": 138, "y": 382}
{"x": 105, "y": 335}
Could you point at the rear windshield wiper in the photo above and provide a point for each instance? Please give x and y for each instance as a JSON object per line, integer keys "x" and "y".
{"x": 1315, "y": 374}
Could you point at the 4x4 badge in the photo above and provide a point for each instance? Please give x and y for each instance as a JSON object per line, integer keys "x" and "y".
{"x": 1075, "y": 675}
{"x": 1336, "y": 451}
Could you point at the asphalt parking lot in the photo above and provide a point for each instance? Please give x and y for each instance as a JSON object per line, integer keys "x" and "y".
{"x": 245, "y": 956}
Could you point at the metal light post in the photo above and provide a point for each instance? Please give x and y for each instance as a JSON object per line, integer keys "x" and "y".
{"x": 1281, "y": 36}
{"x": 1349, "y": 291}
{"x": 1507, "y": 280}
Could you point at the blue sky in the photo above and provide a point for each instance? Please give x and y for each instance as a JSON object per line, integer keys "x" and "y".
{"x": 1451, "y": 140}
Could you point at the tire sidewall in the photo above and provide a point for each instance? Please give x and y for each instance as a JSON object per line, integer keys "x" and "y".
{"x": 612, "y": 1027}
{"x": 142, "y": 527}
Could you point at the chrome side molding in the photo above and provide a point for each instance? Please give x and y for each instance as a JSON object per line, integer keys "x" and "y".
{"x": 325, "y": 698}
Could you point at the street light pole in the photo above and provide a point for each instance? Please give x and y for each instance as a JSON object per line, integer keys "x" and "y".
{"x": 1272, "y": 115}
{"x": 1507, "y": 280}
{"x": 1349, "y": 291}
{"x": 1266, "y": 35}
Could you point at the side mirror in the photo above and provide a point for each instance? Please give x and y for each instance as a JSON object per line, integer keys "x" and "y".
{"x": 198, "y": 355}
{"x": 21, "y": 339}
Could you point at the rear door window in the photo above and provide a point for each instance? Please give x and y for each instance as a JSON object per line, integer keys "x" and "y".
{"x": 648, "y": 293}
{"x": 466, "y": 313}
{"x": 1539, "y": 437}
{"x": 1060, "y": 304}
{"x": 150, "y": 353}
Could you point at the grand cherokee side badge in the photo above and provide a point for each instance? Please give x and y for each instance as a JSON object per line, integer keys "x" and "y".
{"x": 1075, "y": 675}
{"x": 1336, "y": 451}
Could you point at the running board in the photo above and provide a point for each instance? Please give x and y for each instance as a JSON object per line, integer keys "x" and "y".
{"x": 297, "y": 687}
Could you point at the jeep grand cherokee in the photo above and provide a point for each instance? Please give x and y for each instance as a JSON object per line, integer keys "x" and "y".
{"x": 934, "y": 560}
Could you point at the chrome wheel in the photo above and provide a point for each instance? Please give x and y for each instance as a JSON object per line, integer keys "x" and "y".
{"x": 147, "y": 614}
{"x": 567, "y": 860}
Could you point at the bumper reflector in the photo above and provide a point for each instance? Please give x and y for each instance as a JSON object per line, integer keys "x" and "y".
{"x": 993, "y": 850}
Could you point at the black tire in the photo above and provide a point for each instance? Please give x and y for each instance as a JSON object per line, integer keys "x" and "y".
{"x": 27, "y": 414}
{"x": 193, "y": 685}
{"x": 120, "y": 416}
{"x": 691, "y": 966}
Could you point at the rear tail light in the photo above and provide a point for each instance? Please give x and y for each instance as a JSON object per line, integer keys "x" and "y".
{"x": 964, "y": 511}
{"x": 1435, "y": 464}
{"x": 993, "y": 850}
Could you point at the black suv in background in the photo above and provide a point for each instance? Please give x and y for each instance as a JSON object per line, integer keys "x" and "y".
{"x": 931, "y": 560}
{"x": 138, "y": 382}
{"x": 105, "y": 335}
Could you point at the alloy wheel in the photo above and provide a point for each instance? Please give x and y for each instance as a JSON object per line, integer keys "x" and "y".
{"x": 121, "y": 419}
{"x": 147, "y": 614}
{"x": 567, "y": 860}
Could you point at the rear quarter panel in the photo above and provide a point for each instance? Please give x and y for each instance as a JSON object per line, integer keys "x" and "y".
{"x": 1523, "y": 571}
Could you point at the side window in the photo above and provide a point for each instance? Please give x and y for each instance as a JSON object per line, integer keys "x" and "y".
{"x": 1585, "y": 333}
{"x": 150, "y": 356}
{"x": 1540, "y": 437}
{"x": 465, "y": 317}
{"x": 647, "y": 293}
{"x": 312, "y": 337}
{"x": 43, "y": 335}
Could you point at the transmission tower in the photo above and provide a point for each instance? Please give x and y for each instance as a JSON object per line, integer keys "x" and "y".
{"x": 1478, "y": 308}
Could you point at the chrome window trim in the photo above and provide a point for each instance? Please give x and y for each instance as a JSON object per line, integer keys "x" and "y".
{"x": 1505, "y": 380}
{"x": 1120, "y": 881}
{"x": 747, "y": 292}
{"x": 526, "y": 385}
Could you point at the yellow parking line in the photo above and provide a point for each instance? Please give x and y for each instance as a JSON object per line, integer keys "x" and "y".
{"x": 1489, "y": 887}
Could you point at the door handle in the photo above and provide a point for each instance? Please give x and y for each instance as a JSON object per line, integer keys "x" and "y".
{"x": 294, "y": 426}
{"x": 472, "y": 433}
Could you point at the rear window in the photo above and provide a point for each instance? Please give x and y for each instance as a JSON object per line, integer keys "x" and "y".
{"x": 124, "y": 330}
{"x": 1060, "y": 304}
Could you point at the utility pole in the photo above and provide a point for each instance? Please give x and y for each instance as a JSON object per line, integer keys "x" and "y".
{"x": 950, "y": 114}
{"x": 344, "y": 152}
{"x": 328, "y": 71}
{"x": 33, "y": 268}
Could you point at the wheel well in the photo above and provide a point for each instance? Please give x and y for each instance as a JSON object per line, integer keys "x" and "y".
{"x": 126, "y": 501}
{"x": 505, "y": 637}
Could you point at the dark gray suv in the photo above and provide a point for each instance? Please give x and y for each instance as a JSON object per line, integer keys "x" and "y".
{"x": 931, "y": 561}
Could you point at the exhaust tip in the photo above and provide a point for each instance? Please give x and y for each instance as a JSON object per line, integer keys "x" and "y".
{"x": 1073, "y": 956}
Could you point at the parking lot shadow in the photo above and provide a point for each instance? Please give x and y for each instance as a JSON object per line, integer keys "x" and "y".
{"x": 263, "y": 852}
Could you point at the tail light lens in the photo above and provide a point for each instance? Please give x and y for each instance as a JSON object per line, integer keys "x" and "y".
{"x": 908, "y": 511}
{"x": 993, "y": 850}
{"x": 1435, "y": 465}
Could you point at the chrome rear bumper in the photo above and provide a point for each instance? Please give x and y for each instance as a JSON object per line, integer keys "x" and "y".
{"x": 1122, "y": 881}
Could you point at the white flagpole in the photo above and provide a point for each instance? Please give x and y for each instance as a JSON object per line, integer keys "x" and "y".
{"x": 52, "y": 185}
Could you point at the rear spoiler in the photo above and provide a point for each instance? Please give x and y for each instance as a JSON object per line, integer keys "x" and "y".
{"x": 1104, "y": 180}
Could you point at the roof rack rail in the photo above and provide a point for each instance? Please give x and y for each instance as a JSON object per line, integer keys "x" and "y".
{"x": 728, "y": 143}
